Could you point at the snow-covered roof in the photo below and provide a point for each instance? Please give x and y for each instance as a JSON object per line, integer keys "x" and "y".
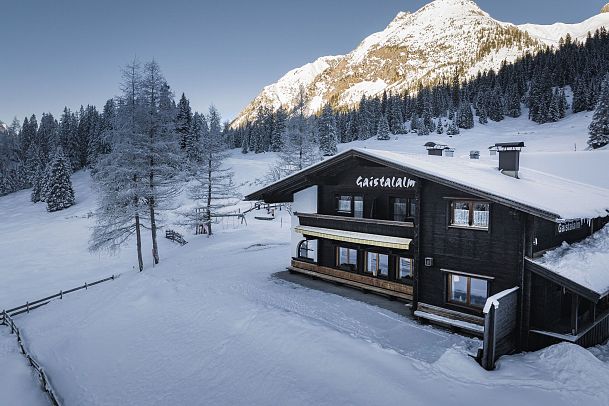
{"x": 560, "y": 197}
{"x": 585, "y": 263}
{"x": 539, "y": 193}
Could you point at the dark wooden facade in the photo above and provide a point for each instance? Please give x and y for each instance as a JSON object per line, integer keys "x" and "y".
{"x": 547, "y": 309}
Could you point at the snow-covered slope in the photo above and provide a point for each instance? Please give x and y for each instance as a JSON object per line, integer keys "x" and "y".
{"x": 551, "y": 34}
{"x": 434, "y": 41}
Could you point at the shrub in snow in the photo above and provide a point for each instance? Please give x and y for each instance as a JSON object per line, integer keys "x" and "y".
{"x": 59, "y": 192}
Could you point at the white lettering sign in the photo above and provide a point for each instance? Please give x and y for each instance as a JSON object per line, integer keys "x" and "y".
{"x": 569, "y": 226}
{"x": 385, "y": 181}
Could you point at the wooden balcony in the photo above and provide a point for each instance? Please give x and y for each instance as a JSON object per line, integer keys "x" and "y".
{"x": 376, "y": 285}
{"x": 360, "y": 225}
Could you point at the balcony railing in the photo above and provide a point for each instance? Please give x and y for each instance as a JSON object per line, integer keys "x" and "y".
{"x": 361, "y": 225}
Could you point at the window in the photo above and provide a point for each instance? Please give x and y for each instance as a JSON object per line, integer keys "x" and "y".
{"x": 480, "y": 215}
{"x": 467, "y": 290}
{"x": 405, "y": 267}
{"x": 470, "y": 214}
{"x": 346, "y": 257}
{"x": 351, "y": 205}
{"x": 358, "y": 207}
{"x": 306, "y": 249}
{"x": 402, "y": 208}
{"x": 344, "y": 204}
{"x": 377, "y": 264}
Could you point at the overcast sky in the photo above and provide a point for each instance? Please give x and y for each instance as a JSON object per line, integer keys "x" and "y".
{"x": 69, "y": 52}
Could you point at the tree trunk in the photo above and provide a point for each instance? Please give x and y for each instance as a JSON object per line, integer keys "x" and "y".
{"x": 155, "y": 248}
{"x": 139, "y": 242}
{"x": 209, "y": 197}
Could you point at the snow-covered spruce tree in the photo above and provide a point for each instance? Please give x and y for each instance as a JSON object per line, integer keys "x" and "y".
{"x": 465, "y": 117}
{"x": 118, "y": 175}
{"x": 599, "y": 127}
{"x": 453, "y": 129}
{"x": 414, "y": 122}
{"x": 495, "y": 108}
{"x": 37, "y": 182}
{"x": 199, "y": 130}
{"x": 326, "y": 126}
{"x": 563, "y": 105}
{"x": 59, "y": 194}
{"x": 184, "y": 122}
{"x": 382, "y": 132}
{"x": 440, "y": 127}
{"x": 245, "y": 146}
{"x": 554, "y": 108}
{"x": 279, "y": 120}
{"x": 162, "y": 160}
{"x": 395, "y": 116}
{"x": 512, "y": 108}
{"x": 422, "y": 129}
{"x": 213, "y": 188}
{"x": 482, "y": 117}
{"x": 45, "y": 183}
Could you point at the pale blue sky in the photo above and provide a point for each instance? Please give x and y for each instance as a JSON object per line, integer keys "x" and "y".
{"x": 69, "y": 52}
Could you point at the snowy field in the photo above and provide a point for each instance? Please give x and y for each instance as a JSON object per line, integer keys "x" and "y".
{"x": 212, "y": 324}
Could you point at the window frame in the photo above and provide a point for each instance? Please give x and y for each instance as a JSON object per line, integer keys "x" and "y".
{"x": 398, "y": 260}
{"x": 409, "y": 202}
{"x": 300, "y": 245}
{"x": 376, "y": 272}
{"x": 471, "y": 203}
{"x": 467, "y": 304}
{"x": 351, "y": 212}
{"x": 354, "y": 266}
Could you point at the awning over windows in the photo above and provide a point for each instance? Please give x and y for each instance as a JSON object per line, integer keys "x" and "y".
{"x": 355, "y": 238}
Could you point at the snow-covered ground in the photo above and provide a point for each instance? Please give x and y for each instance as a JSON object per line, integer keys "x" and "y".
{"x": 18, "y": 384}
{"x": 213, "y": 325}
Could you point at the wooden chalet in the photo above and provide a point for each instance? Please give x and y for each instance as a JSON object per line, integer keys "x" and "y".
{"x": 446, "y": 234}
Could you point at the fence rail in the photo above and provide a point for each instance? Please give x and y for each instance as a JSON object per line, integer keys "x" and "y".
{"x": 25, "y": 308}
{"x": 6, "y": 319}
{"x": 45, "y": 382}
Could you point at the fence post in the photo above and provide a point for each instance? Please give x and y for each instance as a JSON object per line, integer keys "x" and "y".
{"x": 61, "y": 294}
{"x": 27, "y": 307}
{"x": 86, "y": 286}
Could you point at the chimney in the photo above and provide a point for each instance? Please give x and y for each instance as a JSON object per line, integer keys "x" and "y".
{"x": 509, "y": 157}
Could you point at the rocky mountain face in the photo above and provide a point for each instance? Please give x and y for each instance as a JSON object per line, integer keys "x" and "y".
{"x": 440, "y": 39}
{"x": 605, "y": 9}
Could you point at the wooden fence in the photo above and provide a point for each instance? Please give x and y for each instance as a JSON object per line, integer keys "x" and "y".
{"x": 25, "y": 308}
{"x": 175, "y": 237}
{"x": 6, "y": 319}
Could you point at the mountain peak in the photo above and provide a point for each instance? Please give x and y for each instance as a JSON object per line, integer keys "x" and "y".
{"x": 605, "y": 9}
{"x": 461, "y": 6}
{"x": 416, "y": 48}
